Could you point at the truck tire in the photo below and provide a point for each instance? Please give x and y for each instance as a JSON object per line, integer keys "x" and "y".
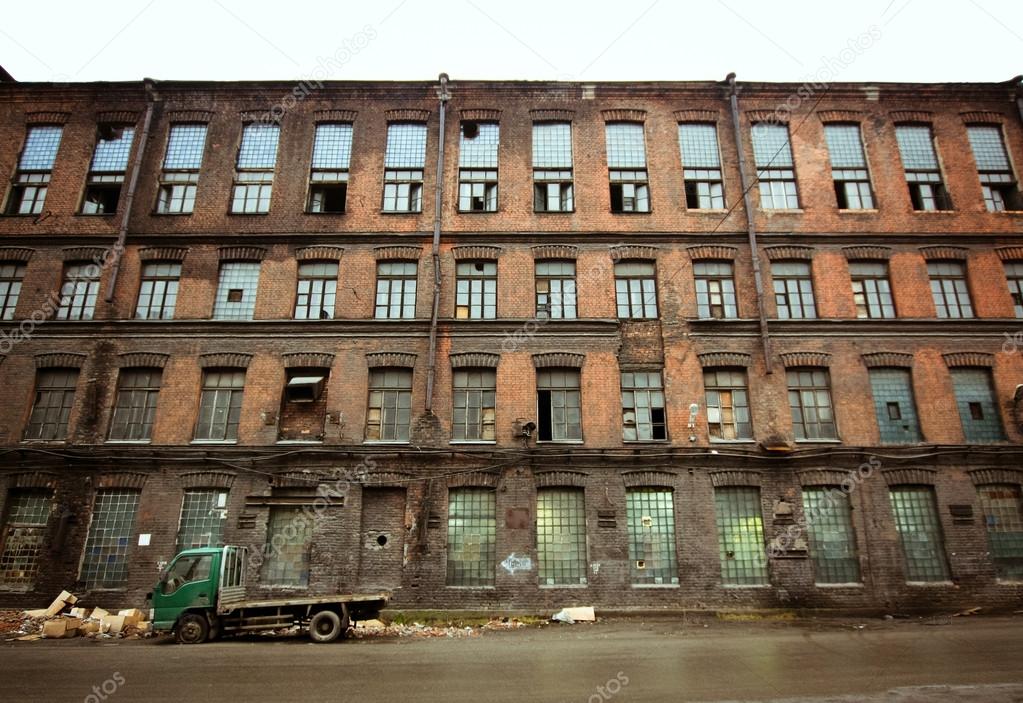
{"x": 192, "y": 629}
{"x": 325, "y": 626}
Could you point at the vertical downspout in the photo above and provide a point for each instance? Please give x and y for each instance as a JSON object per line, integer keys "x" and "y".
{"x": 443, "y": 96}
{"x": 751, "y": 229}
{"x": 129, "y": 196}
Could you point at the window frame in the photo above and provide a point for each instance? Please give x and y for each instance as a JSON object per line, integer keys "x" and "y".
{"x": 845, "y": 174}
{"x": 257, "y": 178}
{"x": 732, "y": 387}
{"x": 463, "y": 392}
{"x": 798, "y": 294}
{"x": 862, "y": 297}
{"x": 403, "y": 178}
{"x": 12, "y": 279}
{"x": 796, "y": 404}
{"x": 321, "y": 286}
{"x": 699, "y": 173}
{"x": 32, "y": 176}
{"x": 179, "y": 183}
{"x": 46, "y": 383}
{"x": 650, "y": 392}
{"x": 481, "y": 174}
{"x": 553, "y": 182}
{"x": 390, "y": 278}
{"x": 546, "y": 410}
{"x": 106, "y": 178}
{"x": 959, "y": 293}
{"x": 568, "y": 301}
{"x": 927, "y": 189}
{"x": 779, "y": 178}
{"x": 393, "y": 400}
{"x": 644, "y": 305}
{"x": 146, "y": 385}
{"x": 468, "y": 299}
{"x": 229, "y": 383}
{"x": 169, "y": 291}
{"x": 703, "y": 280}
{"x": 322, "y": 177}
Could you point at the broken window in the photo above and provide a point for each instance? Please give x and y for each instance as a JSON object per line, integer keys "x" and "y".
{"x": 137, "y": 393}
{"x": 158, "y": 291}
{"x": 254, "y": 174}
{"x": 636, "y": 290}
{"x": 1004, "y": 520}
{"x": 289, "y": 536}
{"x": 650, "y": 516}
{"x": 740, "y": 528}
{"x": 203, "y": 516}
{"x": 728, "y": 412}
{"x": 23, "y": 536}
{"x": 390, "y": 405}
{"x": 472, "y": 537}
{"x": 916, "y": 520}
{"x": 474, "y": 405}
{"x": 404, "y": 162}
{"x": 476, "y": 290}
{"x": 1014, "y": 277}
{"x": 304, "y": 405}
{"x": 776, "y": 176}
{"x": 849, "y": 167}
{"x": 978, "y": 409}
{"x": 181, "y": 164}
{"x": 832, "y": 541}
{"x": 643, "y": 406}
{"x": 949, "y": 290}
{"x": 317, "y": 287}
{"x": 559, "y": 405}
{"x": 32, "y": 179}
{"x": 220, "y": 405}
{"x": 793, "y": 290}
{"x": 626, "y": 163}
{"x": 11, "y": 276}
{"x": 920, "y": 163}
{"x": 872, "y": 292}
{"x": 701, "y": 166}
{"x": 552, "y": 167}
{"x": 54, "y": 398}
{"x": 106, "y": 174}
{"x": 236, "y": 291}
{"x": 328, "y": 182}
{"x": 561, "y": 536}
{"x": 810, "y": 403}
{"x": 895, "y": 406}
{"x": 78, "y": 291}
{"x": 715, "y": 290}
{"x": 555, "y": 290}
{"x": 105, "y": 564}
{"x": 477, "y": 167}
{"x": 1001, "y": 192}
{"x": 396, "y": 290}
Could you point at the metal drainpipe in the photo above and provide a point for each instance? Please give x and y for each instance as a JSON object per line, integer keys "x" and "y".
{"x": 129, "y": 196}
{"x": 438, "y": 199}
{"x": 751, "y": 229}
{"x": 1018, "y": 80}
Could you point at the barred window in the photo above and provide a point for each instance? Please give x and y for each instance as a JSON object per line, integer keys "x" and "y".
{"x": 555, "y": 290}
{"x": 701, "y": 166}
{"x": 1001, "y": 192}
{"x": 728, "y": 410}
{"x": 626, "y": 162}
{"x": 552, "y": 167}
{"x": 793, "y": 290}
{"x": 477, "y": 166}
{"x": 872, "y": 292}
{"x": 328, "y": 181}
{"x": 715, "y": 290}
{"x": 236, "y": 291}
{"x": 849, "y": 167}
{"x": 472, "y": 537}
{"x": 220, "y": 405}
{"x": 561, "y": 536}
{"x": 51, "y": 410}
{"x": 978, "y": 409}
{"x": 289, "y": 536}
{"x": 1004, "y": 520}
{"x": 258, "y": 149}
{"x": 11, "y": 277}
{"x": 106, "y": 174}
{"x": 257, "y": 158}
{"x": 923, "y": 545}
{"x": 643, "y": 406}
{"x": 636, "y": 290}
{"x": 1014, "y": 277}
{"x": 559, "y": 405}
{"x": 78, "y": 292}
{"x": 650, "y": 518}
{"x": 895, "y": 406}
{"x": 137, "y": 393}
{"x": 949, "y": 290}
{"x": 158, "y": 291}
{"x": 832, "y": 541}
{"x": 740, "y": 528}
{"x": 317, "y": 288}
{"x": 23, "y": 536}
{"x": 404, "y": 161}
{"x": 476, "y": 290}
{"x": 32, "y": 179}
{"x": 390, "y": 405}
{"x": 810, "y": 403}
{"x": 105, "y": 564}
{"x": 181, "y": 164}
{"x": 776, "y": 176}
{"x": 396, "y": 290}
{"x": 473, "y": 415}
{"x": 40, "y": 150}
{"x": 920, "y": 163}
{"x": 203, "y": 516}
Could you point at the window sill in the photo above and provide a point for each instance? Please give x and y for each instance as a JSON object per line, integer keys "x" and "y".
{"x": 705, "y": 210}
{"x": 732, "y": 441}
{"x": 128, "y": 441}
{"x": 862, "y": 211}
{"x": 323, "y": 212}
{"x": 632, "y": 212}
{"x": 772, "y": 210}
{"x": 94, "y": 214}
{"x": 386, "y": 442}
{"x": 299, "y": 441}
{"x": 654, "y": 585}
{"x": 484, "y": 442}
{"x": 559, "y": 441}
{"x": 470, "y": 588}
{"x": 934, "y": 212}
{"x": 44, "y": 441}
{"x": 555, "y": 586}
{"x": 553, "y": 212}
{"x": 214, "y": 441}
{"x": 248, "y": 214}
{"x": 401, "y": 212}
{"x": 633, "y": 442}
{"x": 818, "y": 441}
{"x": 930, "y": 584}
{"x": 745, "y": 585}
{"x": 156, "y": 213}
{"x": 478, "y": 212}
{"x": 838, "y": 585}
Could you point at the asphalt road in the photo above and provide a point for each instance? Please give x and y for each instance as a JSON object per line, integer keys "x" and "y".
{"x": 660, "y": 660}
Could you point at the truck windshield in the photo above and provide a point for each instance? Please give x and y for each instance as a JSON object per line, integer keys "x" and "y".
{"x": 186, "y": 570}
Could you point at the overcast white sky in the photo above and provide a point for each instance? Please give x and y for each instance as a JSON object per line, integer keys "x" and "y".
{"x": 782, "y": 40}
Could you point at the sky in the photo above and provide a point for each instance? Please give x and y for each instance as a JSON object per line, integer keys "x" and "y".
{"x": 594, "y": 40}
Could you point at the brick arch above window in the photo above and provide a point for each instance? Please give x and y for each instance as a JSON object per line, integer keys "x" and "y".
{"x": 555, "y": 251}
{"x": 227, "y": 360}
{"x": 551, "y": 115}
{"x": 867, "y": 252}
{"x": 122, "y": 479}
{"x": 60, "y": 360}
{"x": 805, "y": 358}
{"x": 563, "y": 477}
{"x": 335, "y": 115}
{"x": 41, "y": 117}
{"x": 887, "y": 360}
{"x": 623, "y": 114}
{"x": 387, "y": 479}
{"x": 480, "y": 114}
{"x": 725, "y": 358}
{"x": 20, "y": 254}
{"x": 982, "y": 117}
{"x": 735, "y": 477}
{"x": 911, "y": 116}
{"x": 163, "y": 253}
{"x": 909, "y": 476}
{"x": 550, "y": 360}
{"x": 789, "y": 252}
{"x": 319, "y": 253}
{"x": 405, "y": 253}
{"x": 407, "y": 115}
{"x": 822, "y": 477}
{"x": 984, "y": 476}
{"x": 207, "y": 479}
{"x": 475, "y": 252}
{"x": 478, "y": 360}
{"x": 241, "y": 253}
{"x": 712, "y": 252}
{"x": 189, "y": 116}
{"x": 126, "y": 117}
{"x": 780, "y": 117}
{"x": 308, "y": 360}
{"x": 153, "y": 360}
{"x": 972, "y": 359}
{"x": 473, "y": 479}
{"x": 33, "y": 479}
{"x": 264, "y": 116}
{"x": 1010, "y": 253}
{"x": 696, "y": 115}
{"x": 840, "y": 116}
{"x": 93, "y": 254}
{"x": 378, "y": 360}
{"x": 298, "y": 479}
{"x": 945, "y": 252}
{"x": 632, "y": 252}
{"x": 641, "y": 479}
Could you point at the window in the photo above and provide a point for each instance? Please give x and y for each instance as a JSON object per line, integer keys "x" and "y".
{"x": 403, "y": 167}
{"x": 78, "y": 292}
{"x": 158, "y": 291}
{"x": 715, "y": 290}
{"x": 475, "y": 392}
{"x": 203, "y": 516}
{"x": 137, "y": 393}
{"x": 920, "y": 163}
{"x": 472, "y": 537}
{"x": 872, "y": 292}
{"x": 978, "y": 409}
{"x": 1001, "y": 192}
{"x": 776, "y": 176}
{"x": 23, "y": 536}
{"x": 916, "y": 519}
{"x": 317, "y": 287}
{"x": 105, "y": 564}
{"x": 626, "y": 163}
{"x": 643, "y": 406}
{"x": 810, "y": 403}
{"x": 895, "y": 406}
{"x": 848, "y": 167}
{"x": 728, "y": 413}
{"x": 650, "y": 514}
{"x": 830, "y": 535}
{"x": 476, "y": 290}
{"x": 11, "y": 276}
{"x": 254, "y": 176}
{"x": 390, "y": 405}
{"x": 948, "y": 288}
{"x": 181, "y": 164}
{"x": 555, "y": 290}
{"x": 740, "y": 535}
{"x": 289, "y": 536}
{"x": 552, "y": 167}
{"x": 236, "y": 291}
{"x": 561, "y": 536}
{"x": 328, "y": 182}
{"x": 106, "y": 174}
{"x": 1014, "y": 277}
{"x": 1004, "y": 521}
{"x": 636, "y": 290}
{"x": 396, "y": 290}
{"x": 558, "y": 405}
{"x": 701, "y": 166}
{"x": 51, "y": 410}
{"x": 793, "y": 290}
{"x": 220, "y": 405}
{"x": 32, "y": 179}
{"x": 477, "y": 167}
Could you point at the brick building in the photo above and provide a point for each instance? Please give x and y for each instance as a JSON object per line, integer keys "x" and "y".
{"x": 515, "y": 344}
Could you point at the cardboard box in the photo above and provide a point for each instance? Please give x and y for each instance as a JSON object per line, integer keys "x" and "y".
{"x": 132, "y": 616}
{"x": 88, "y": 628}
{"x": 82, "y": 613}
{"x": 98, "y": 614}
{"x": 112, "y": 624}
{"x": 59, "y": 629}
{"x": 62, "y": 601}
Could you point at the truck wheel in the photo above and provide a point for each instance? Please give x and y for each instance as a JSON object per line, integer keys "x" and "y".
{"x": 192, "y": 629}
{"x": 325, "y": 626}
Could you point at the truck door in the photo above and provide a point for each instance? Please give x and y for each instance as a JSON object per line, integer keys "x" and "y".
{"x": 188, "y": 583}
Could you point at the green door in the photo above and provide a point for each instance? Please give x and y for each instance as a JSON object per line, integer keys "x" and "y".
{"x": 188, "y": 583}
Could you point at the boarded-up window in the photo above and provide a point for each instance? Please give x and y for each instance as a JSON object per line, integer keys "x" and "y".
{"x": 22, "y": 538}
{"x": 740, "y": 535}
{"x": 289, "y": 536}
{"x": 105, "y": 564}
{"x": 651, "y": 520}
{"x": 472, "y": 531}
{"x": 561, "y": 536}
{"x": 830, "y": 531}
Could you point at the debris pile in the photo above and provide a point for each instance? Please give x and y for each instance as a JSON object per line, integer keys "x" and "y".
{"x": 376, "y": 628}
{"x": 64, "y": 619}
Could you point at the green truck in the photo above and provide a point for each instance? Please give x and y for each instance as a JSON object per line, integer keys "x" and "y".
{"x": 201, "y": 595}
